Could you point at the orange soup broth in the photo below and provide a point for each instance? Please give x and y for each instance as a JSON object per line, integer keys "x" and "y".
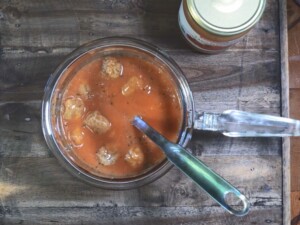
{"x": 158, "y": 103}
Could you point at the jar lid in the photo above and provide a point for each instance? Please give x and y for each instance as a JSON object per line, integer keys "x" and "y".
{"x": 226, "y": 17}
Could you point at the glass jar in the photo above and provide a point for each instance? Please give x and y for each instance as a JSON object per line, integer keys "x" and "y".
{"x": 213, "y": 26}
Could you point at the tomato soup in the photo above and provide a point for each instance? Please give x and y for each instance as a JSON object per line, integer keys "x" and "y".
{"x": 99, "y": 104}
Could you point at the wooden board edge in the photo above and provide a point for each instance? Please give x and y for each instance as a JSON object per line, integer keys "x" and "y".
{"x": 286, "y": 185}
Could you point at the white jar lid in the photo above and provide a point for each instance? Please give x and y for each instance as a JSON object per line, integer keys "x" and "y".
{"x": 226, "y": 17}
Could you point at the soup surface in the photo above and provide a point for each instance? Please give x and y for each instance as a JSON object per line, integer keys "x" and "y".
{"x": 101, "y": 100}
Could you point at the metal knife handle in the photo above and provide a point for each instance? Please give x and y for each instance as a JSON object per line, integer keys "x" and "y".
{"x": 234, "y": 123}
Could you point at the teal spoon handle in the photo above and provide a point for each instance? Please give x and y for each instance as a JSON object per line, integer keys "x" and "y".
{"x": 207, "y": 179}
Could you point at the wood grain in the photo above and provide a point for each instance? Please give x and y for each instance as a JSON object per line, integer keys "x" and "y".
{"x": 294, "y": 44}
{"x": 21, "y": 127}
{"x": 295, "y": 207}
{"x": 139, "y": 216}
{"x": 285, "y": 112}
{"x": 295, "y": 164}
{"x": 35, "y": 36}
{"x": 294, "y": 62}
{"x": 44, "y": 189}
{"x": 25, "y": 74}
{"x": 38, "y": 24}
{"x": 44, "y": 183}
{"x": 295, "y": 102}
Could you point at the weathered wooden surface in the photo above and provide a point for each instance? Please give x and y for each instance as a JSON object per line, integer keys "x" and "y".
{"x": 286, "y": 160}
{"x": 35, "y": 189}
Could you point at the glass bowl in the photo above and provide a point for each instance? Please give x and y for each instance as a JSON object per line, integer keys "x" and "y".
{"x": 52, "y": 101}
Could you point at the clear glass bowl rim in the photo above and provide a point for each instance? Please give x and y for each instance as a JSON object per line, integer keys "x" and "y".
{"x": 157, "y": 171}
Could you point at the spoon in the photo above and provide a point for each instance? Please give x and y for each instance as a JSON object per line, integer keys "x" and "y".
{"x": 208, "y": 180}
